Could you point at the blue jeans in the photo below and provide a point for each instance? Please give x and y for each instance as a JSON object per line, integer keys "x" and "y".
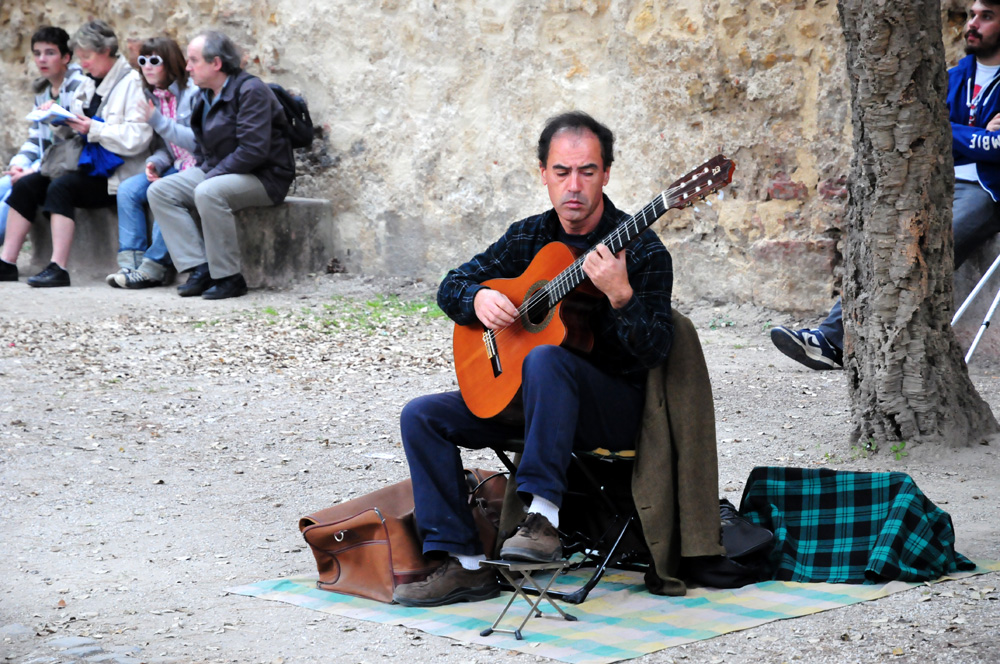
{"x": 132, "y": 220}
{"x": 568, "y": 404}
{"x": 974, "y": 220}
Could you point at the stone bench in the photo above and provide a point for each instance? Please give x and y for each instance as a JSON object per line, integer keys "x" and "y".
{"x": 278, "y": 244}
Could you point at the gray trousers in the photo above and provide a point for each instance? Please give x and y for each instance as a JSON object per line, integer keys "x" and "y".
{"x": 173, "y": 200}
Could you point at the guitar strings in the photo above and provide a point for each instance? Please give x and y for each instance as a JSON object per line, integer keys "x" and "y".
{"x": 576, "y": 267}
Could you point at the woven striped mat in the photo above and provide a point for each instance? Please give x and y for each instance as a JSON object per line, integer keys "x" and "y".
{"x": 619, "y": 620}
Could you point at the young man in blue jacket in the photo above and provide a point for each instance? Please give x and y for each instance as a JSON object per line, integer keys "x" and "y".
{"x": 973, "y": 101}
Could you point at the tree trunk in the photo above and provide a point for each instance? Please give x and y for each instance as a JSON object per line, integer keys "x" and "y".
{"x": 906, "y": 374}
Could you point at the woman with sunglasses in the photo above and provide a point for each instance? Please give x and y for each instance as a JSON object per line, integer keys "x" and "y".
{"x": 170, "y": 97}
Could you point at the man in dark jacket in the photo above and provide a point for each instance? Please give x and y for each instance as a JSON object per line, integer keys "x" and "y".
{"x": 570, "y": 400}
{"x": 243, "y": 158}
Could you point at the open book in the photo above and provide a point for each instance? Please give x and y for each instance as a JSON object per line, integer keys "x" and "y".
{"x": 54, "y": 114}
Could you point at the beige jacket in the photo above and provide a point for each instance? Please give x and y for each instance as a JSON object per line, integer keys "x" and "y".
{"x": 124, "y": 130}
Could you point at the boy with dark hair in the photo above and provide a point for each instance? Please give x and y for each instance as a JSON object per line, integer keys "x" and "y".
{"x": 58, "y": 83}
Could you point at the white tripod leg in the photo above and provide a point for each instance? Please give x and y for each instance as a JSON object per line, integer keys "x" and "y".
{"x": 982, "y": 328}
{"x": 975, "y": 291}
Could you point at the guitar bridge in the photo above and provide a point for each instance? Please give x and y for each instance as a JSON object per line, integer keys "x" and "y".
{"x": 490, "y": 341}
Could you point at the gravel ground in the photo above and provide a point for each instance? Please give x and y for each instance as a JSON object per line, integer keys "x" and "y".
{"x": 156, "y": 450}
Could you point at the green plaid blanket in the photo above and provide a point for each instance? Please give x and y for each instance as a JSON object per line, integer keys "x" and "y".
{"x": 850, "y": 527}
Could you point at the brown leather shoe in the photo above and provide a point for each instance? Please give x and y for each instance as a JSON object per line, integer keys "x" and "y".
{"x": 449, "y": 584}
{"x": 536, "y": 541}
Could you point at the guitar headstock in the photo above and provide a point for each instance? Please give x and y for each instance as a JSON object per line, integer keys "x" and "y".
{"x": 711, "y": 176}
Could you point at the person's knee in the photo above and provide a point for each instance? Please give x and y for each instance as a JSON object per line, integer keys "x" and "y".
{"x": 415, "y": 414}
{"x": 546, "y": 360}
{"x": 158, "y": 193}
{"x": 208, "y": 196}
{"x": 133, "y": 190}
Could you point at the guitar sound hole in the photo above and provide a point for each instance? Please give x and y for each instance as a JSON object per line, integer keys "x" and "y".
{"x": 537, "y": 314}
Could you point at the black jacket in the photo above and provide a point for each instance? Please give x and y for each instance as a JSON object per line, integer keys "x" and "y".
{"x": 245, "y": 135}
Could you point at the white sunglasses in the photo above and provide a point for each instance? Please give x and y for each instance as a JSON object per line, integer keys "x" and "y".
{"x": 151, "y": 60}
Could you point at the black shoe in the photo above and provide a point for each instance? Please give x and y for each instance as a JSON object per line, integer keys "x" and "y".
{"x": 8, "y": 271}
{"x": 231, "y": 286}
{"x": 198, "y": 282}
{"x": 52, "y": 276}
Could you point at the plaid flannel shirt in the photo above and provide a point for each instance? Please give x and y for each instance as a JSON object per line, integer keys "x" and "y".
{"x": 627, "y": 341}
{"x": 850, "y": 527}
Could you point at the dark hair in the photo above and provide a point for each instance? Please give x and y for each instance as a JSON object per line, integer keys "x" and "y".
{"x": 173, "y": 60}
{"x": 577, "y": 121}
{"x": 48, "y": 34}
{"x": 218, "y": 45}
{"x": 96, "y": 36}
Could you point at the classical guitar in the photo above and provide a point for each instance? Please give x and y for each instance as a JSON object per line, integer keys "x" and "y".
{"x": 488, "y": 362}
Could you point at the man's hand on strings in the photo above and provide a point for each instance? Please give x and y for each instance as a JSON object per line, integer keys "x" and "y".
{"x": 609, "y": 274}
{"x": 494, "y": 309}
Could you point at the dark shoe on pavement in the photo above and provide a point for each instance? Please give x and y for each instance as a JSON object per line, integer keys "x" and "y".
{"x": 52, "y": 276}
{"x": 808, "y": 347}
{"x": 198, "y": 282}
{"x": 536, "y": 541}
{"x": 449, "y": 584}
{"x": 231, "y": 286}
{"x": 8, "y": 271}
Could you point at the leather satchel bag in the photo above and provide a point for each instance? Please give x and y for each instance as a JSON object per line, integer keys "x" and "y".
{"x": 368, "y": 546}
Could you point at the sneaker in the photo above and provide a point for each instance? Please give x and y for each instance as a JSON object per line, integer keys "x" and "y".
{"x": 808, "y": 347}
{"x": 110, "y": 279}
{"x": 536, "y": 541}
{"x": 135, "y": 279}
{"x": 52, "y": 276}
{"x": 8, "y": 271}
{"x": 449, "y": 584}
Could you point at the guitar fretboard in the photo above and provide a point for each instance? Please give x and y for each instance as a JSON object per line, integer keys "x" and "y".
{"x": 621, "y": 237}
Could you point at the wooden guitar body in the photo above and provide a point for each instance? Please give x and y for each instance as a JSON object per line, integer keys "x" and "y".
{"x": 491, "y": 385}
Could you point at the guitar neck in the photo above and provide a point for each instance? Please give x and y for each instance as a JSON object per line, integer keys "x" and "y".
{"x": 714, "y": 174}
{"x": 622, "y": 236}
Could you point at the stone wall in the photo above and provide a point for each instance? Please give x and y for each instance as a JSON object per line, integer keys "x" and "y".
{"x": 430, "y": 111}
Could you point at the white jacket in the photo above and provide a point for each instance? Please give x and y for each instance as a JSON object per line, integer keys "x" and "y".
{"x": 124, "y": 130}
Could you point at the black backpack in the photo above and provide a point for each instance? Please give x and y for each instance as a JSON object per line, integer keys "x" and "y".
{"x": 299, "y": 126}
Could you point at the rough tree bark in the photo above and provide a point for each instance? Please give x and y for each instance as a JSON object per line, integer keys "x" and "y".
{"x": 906, "y": 374}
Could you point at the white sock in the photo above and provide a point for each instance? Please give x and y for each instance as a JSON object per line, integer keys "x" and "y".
{"x": 546, "y": 508}
{"x": 468, "y": 562}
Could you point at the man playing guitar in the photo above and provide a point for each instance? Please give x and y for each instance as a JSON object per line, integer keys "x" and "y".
{"x": 569, "y": 399}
